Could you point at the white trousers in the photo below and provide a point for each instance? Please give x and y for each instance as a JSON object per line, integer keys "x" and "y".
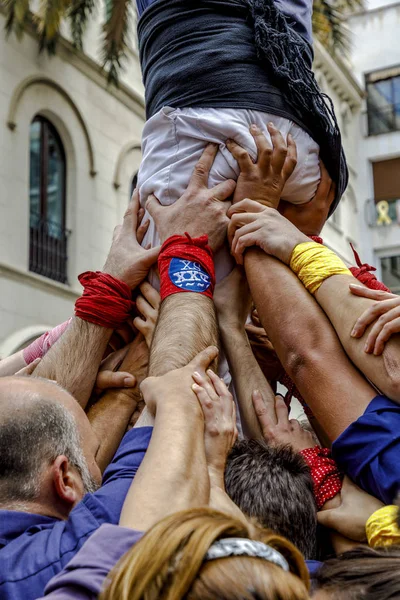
{"x": 174, "y": 139}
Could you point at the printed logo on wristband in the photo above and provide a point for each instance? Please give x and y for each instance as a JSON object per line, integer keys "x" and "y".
{"x": 188, "y": 275}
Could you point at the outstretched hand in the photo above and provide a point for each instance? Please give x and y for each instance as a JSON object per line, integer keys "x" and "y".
{"x": 176, "y": 384}
{"x": 220, "y": 431}
{"x": 264, "y": 179}
{"x": 199, "y": 210}
{"x": 127, "y": 260}
{"x": 254, "y": 225}
{"x": 279, "y": 429}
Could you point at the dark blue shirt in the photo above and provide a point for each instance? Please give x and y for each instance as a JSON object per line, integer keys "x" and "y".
{"x": 298, "y": 13}
{"x": 34, "y": 548}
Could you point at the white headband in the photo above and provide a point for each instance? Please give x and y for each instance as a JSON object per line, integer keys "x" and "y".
{"x": 244, "y": 547}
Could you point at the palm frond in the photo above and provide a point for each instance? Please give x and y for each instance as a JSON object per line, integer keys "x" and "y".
{"x": 329, "y": 24}
{"x": 116, "y": 31}
{"x": 48, "y": 20}
{"x": 78, "y": 17}
{"x": 18, "y": 14}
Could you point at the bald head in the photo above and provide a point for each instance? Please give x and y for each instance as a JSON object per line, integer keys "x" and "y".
{"x": 39, "y": 421}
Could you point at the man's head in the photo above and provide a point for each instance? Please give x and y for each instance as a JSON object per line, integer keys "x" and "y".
{"x": 47, "y": 448}
{"x": 273, "y": 484}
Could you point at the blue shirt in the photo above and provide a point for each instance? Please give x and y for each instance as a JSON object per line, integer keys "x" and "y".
{"x": 34, "y": 548}
{"x": 369, "y": 449}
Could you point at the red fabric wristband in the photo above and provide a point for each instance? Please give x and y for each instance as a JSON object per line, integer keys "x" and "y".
{"x": 324, "y": 472}
{"x": 106, "y": 301}
{"x": 186, "y": 265}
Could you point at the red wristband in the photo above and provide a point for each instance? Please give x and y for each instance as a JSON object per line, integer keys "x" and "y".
{"x": 324, "y": 472}
{"x": 186, "y": 265}
{"x": 106, "y": 301}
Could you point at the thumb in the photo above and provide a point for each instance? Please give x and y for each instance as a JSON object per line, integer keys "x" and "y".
{"x": 153, "y": 206}
{"x": 152, "y": 255}
{"x": 110, "y": 379}
{"x": 203, "y": 360}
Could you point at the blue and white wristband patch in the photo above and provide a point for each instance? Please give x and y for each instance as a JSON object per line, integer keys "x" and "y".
{"x": 188, "y": 275}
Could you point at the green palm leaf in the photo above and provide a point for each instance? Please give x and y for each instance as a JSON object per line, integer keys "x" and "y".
{"x": 18, "y": 15}
{"x": 116, "y": 32}
{"x": 78, "y": 17}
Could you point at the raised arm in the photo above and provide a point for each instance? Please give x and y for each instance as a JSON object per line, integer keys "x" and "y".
{"x": 173, "y": 475}
{"x": 187, "y": 322}
{"x": 75, "y": 358}
{"x": 232, "y": 301}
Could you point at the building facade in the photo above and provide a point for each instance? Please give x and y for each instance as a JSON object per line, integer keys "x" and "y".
{"x": 69, "y": 152}
{"x": 376, "y": 64}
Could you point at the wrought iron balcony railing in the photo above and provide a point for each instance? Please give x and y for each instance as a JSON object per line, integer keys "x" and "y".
{"x": 48, "y": 248}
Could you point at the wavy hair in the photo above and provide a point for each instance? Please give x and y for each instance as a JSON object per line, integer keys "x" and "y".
{"x": 168, "y": 563}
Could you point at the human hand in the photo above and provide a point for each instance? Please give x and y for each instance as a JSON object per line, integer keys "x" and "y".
{"x": 176, "y": 384}
{"x": 29, "y": 369}
{"x": 148, "y": 304}
{"x": 232, "y": 299}
{"x": 199, "y": 210}
{"x": 386, "y": 314}
{"x": 350, "y": 517}
{"x": 109, "y": 376}
{"x": 281, "y": 430}
{"x": 310, "y": 217}
{"x": 220, "y": 431}
{"x": 127, "y": 260}
{"x": 263, "y": 349}
{"x": 254, "y": 225}
{"x": 265, "y": 179}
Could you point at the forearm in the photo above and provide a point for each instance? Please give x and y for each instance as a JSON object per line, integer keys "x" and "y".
{"x": 186, "y": 325}
{"x": 343, "y": 309}
{"x": 173, "y": 475}
{"x": 247, "y": 375}
{"x": 111, "y": 414}
{"x": 306, "y": 344}
{"x": 75, "y": 358}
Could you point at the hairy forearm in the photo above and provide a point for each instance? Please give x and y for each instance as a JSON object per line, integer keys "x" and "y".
{"x": 186, "y": 325}
{"x": 111, "y": 414}
{"x": 343, "y": 309}
{"x": 306, "y": 344}
{"x": 173, "y": 475}
{"x": 247, "y": 375}
{"x": 75, "y": 358}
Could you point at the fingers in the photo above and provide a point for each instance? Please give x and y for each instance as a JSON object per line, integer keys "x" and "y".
{"x": 239, "y": 220}
{"x": 221, "y": 389}
{"x": 265, "y": 416}
{"x": 324, "y": 186}
{"x": 204, "y": 359}
{"x": 223, "y": 190}
{"x": 388, "y": 329}
{"x": 204, "y": 382}
{"x": 29, "y": 369}
{"x": 153, "y": 207}
{"x": 279, "y": 153}
{"x": 202, "y": 169}
{"x": 372, "y": 313}
{"x": 246, "y": 205}
{"x": 141, "y": 231}
{"x": 242, "y": 157}
{"x": 150, "y": 294}
{"x": 151, "y": 256}
{"x": 130, "y": 221}
{"x": 244, "y": 237}
{"x": 364, "y": 292}
{"x": 282, "y": 414}
{"x": 110, "y": 379}
{"x": 291, "y": 157}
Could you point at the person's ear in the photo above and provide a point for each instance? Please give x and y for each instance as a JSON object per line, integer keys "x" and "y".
{"x": 67, "y": 482}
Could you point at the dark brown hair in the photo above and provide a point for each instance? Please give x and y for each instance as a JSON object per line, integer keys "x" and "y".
{"x": 362, "y": 574}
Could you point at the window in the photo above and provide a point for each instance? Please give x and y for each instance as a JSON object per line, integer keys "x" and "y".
{"x": 48, "y": 236}
{"x": 391, "y": 272}
{"x": 383, "y": 101}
